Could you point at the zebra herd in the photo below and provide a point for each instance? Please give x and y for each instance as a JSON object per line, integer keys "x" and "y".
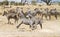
{"x": 29, "y": 18}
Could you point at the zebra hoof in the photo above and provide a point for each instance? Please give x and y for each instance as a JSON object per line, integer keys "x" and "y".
{"x": 17, "y": 27}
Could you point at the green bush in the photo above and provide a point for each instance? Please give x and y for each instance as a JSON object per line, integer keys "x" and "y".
{"x": 59, "y": 3}
{"x": 12, "y": 2}
{"x": 33, "y": 2}
{"x": 1, "y": 3}
{"x": 5, "y": 2}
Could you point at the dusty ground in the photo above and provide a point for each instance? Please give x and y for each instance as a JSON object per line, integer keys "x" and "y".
{"x": 51, "y": 28}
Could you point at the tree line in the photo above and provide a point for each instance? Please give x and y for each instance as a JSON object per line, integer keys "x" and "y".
{"x": 6, "y": 2}
{"x": 10, "y": 3}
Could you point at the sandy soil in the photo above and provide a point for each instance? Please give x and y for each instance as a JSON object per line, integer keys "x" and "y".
{"x": 51, "y": 28}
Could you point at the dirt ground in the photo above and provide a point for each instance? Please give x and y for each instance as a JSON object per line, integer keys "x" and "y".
{"x": 51, "y": 28}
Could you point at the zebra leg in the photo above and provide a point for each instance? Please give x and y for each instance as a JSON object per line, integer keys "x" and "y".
{"x": 35, "y": 26}
{"x": 40, "y": 24}
{"x": 8, "y": 21}
{"x": 55, "y": 16}
{"x": 31, "y": 26}
{"x": 49, "y": 17}
{"x": 46, "y": 16}
{"x": 42, "y": 16}
{"x": 19, "y": 24}
{"x": 16, "y": 20}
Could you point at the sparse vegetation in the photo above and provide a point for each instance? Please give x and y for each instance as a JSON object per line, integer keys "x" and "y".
{"x": 11, "y": 3}
{"x": 5, "y": 2}
{"x": 47, "y": 1}
{"x": 59, "y": 3}
{"x": 1, "y": 3}
{"x": 34, "y": 2}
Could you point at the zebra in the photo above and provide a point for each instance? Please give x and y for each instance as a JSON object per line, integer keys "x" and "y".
{"x": 30, "y": 20}
{"x": 10, "y": 15}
